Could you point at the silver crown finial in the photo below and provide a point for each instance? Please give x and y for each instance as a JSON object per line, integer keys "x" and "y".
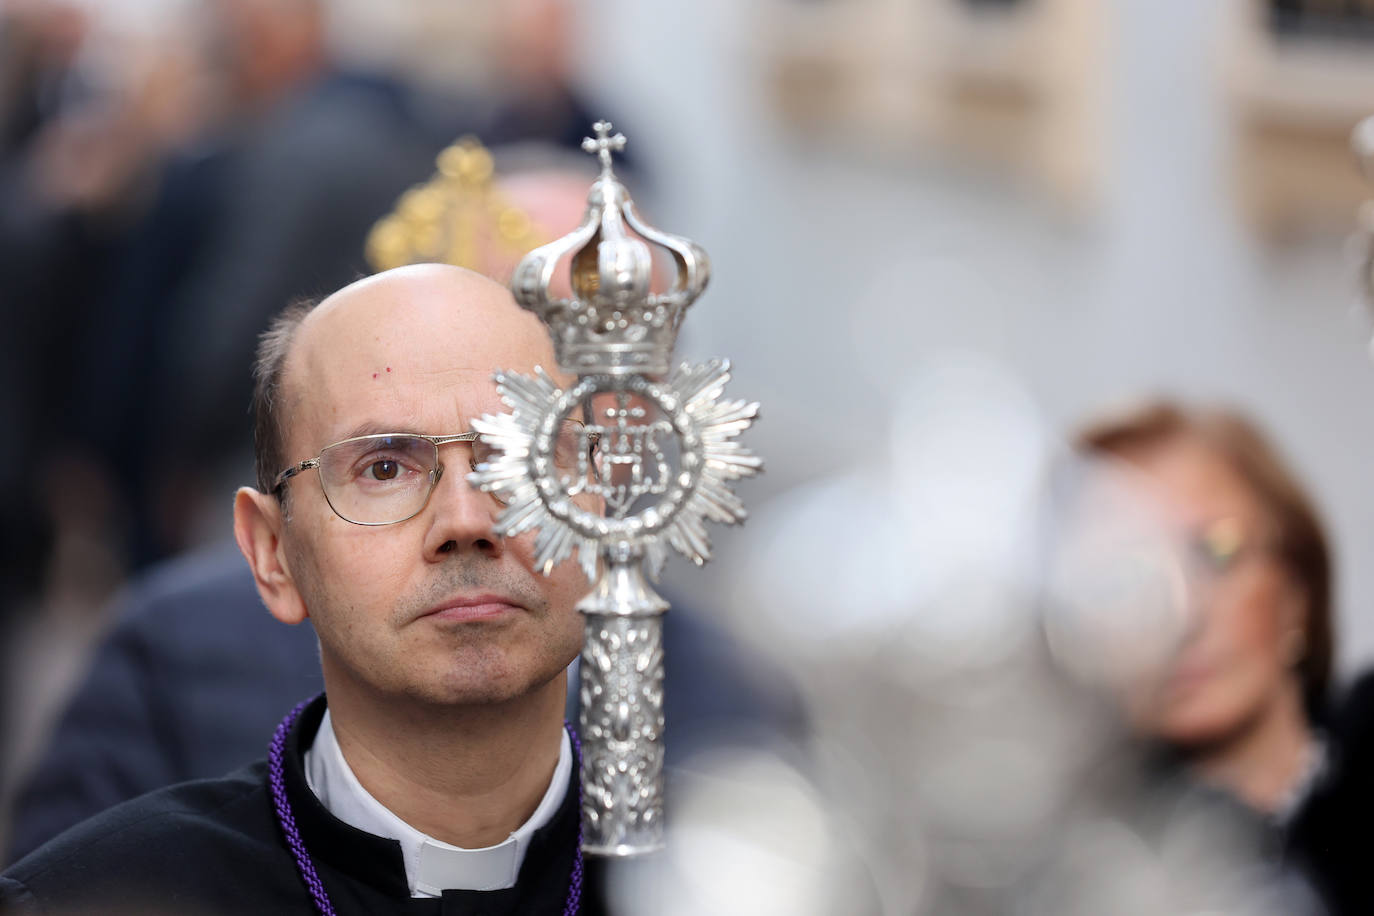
{"x": 604, "y": 144}
{"x": 614, "y": 322}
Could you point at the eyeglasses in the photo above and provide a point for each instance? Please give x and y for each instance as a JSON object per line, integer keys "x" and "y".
{"x": 1218, "y": 547}
{"x": 387, "y": 478}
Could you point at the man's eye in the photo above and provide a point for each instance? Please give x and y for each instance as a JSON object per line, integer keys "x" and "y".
{"x": 384, "y": 469}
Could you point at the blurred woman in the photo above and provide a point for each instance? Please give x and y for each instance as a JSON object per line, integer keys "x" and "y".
{"x": 1240, "y": 701}
{"x": 1239, "y": 698}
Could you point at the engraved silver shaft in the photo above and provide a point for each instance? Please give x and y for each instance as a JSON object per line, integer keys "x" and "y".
{"x": 622, "y": 711}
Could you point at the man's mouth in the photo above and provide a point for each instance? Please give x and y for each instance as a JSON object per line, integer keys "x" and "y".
{"x": 473, "y": 608}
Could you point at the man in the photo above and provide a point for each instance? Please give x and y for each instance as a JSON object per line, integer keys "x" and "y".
{"x": 439, "y": 767}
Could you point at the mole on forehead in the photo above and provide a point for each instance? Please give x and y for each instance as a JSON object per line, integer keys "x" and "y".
{"x": 385, "y": 373}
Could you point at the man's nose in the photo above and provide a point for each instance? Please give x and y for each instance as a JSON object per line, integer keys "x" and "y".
{"x": 461, "y": 518}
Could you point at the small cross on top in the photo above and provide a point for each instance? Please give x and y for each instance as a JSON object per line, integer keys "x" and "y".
{"x": 604, "y": 144}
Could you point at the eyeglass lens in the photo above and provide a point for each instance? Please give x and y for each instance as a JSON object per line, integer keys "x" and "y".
{"x": 1217, "y": 547}
{"x": 375, "y": 480}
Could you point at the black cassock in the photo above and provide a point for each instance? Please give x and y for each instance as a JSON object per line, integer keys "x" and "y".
{"x": 214, "y": 847}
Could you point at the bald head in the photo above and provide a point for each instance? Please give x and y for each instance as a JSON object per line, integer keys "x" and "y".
{"x": 395, "y": 339}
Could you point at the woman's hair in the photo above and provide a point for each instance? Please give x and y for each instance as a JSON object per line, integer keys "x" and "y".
{"x": 1301, "y": 546}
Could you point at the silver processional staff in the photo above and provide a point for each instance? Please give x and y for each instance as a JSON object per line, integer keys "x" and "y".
{"x": 658, "y": 455}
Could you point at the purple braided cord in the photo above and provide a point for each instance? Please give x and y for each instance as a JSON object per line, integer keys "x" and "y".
{"x": 276, "y": 756}
{"x": 574, "y": 904}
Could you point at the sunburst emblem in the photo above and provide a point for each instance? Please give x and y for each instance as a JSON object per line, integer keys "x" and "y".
{"x": 664, "y": 458}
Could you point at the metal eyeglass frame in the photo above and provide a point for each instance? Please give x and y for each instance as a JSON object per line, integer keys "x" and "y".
{"x": 435, "y": 473}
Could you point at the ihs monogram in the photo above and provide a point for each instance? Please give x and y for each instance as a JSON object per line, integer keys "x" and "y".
{"x": 632, "y": 462}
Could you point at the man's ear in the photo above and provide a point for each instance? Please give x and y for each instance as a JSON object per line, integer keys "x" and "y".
{"x": 257, "y": 529}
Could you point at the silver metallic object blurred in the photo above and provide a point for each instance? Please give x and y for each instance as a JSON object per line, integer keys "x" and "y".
{"x": 664, "y": 465}
{"x": 1362, "y": 143}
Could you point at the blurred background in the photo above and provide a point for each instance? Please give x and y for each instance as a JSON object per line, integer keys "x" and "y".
{"x": 942, "y": 232}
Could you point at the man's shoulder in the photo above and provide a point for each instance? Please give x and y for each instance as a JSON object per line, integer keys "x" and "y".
{"x": 179, "y": 814}
{"x": 189, "y": 838}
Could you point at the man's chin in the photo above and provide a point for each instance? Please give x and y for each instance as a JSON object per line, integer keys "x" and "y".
{"x": 488, "y": 686}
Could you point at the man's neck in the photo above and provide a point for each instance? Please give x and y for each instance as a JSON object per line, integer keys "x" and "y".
{"x": 1263, "y": 763}
{"x": 467, "y": 776}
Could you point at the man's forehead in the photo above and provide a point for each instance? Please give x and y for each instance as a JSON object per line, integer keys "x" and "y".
{"x": 407, "y": 336}
{"x": 425, "y": 308}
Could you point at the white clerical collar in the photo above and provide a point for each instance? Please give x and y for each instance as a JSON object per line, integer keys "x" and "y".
{"x": 432, "y": 866}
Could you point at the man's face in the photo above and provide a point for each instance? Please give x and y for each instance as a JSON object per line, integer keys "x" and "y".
{"x": 438, "y": 607}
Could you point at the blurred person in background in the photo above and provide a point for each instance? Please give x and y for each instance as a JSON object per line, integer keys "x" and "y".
{"x": 86, "y": 114}
{"x": 1243, "y": 706}
{"x": 84, "y": 118}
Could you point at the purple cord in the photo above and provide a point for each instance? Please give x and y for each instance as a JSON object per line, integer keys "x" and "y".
{"x": 574, "y": 903}
{"x": 276, "y": 754}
